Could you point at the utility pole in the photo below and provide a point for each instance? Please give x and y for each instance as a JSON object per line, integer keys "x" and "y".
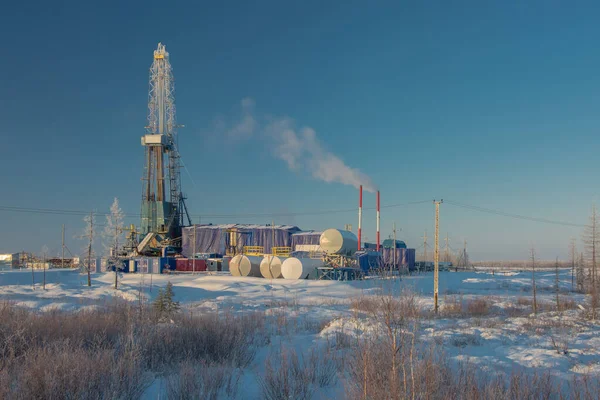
{"x": 425, "y": 246}
{"x": 91, "y": 237}
{"x": 394, "y": 250}
{"x": 465, "y": 258}
{"x": 436, "y": 254}
{"x": 572, "y": 264}
{"x": 62, "y": 265}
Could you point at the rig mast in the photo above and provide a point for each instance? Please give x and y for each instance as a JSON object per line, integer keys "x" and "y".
{"x": 162, "y": 216}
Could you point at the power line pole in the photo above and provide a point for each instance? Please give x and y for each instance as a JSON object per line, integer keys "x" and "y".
{"x": 572, "y": 264}
{"x": 436, "y": 254}
{"x": 425, "y": 246}
{"x": 394, "y": 252}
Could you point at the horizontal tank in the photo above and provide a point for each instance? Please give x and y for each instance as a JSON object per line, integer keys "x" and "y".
{"x": 234, "y": 265}
{"x": 249, "y": 266}
{"x": 270, "y": 267}
{"x": 300, "y": 268}
{"x": 337, "y": 241}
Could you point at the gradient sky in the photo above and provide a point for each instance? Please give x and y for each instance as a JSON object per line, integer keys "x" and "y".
{"x": 485, "y": 103}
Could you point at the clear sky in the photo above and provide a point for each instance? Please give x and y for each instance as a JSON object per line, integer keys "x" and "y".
{"x": 480, "y": 102}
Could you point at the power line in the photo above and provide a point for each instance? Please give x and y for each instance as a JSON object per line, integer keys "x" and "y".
{"x": 243, "y": 215}
{"x": 81, "y": 213}
{"x": 510, "y": 215}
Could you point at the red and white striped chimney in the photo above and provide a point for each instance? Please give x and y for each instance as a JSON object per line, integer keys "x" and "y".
{"x": 378, "y": 217}
{"x": 359, "y": 215}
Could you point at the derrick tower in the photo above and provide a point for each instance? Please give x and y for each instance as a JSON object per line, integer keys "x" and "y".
{"x": 163, "y": 203}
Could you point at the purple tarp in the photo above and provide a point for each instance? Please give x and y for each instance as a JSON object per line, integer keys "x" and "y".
{"x": 307, "y": 237}
{"x": 216, "y": 238}
{"x": 405, "y": 258}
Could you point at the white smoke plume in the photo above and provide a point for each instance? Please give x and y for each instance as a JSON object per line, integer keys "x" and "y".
{"x": 300, "y": 149}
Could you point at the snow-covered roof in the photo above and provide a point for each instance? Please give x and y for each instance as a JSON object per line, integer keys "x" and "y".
{"x": 247, "y": 226}
{"x": 307, "y": 233}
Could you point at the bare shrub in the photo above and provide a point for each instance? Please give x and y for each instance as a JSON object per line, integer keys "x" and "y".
{"x": 105, "y": 352}
{"x": 216, "y": 338}
{"x": 567, "y": 303}
{"x": 53, "y": 371}
{"x": 524, "y": 301}
{"x": 465, "y": 339}
{"x": 432, "y": 377}
{"x": 479, "y": 307}
{"x": 193, "y": 381}
{"x": 452, "y": 306}
{"x": 288, "y": 376}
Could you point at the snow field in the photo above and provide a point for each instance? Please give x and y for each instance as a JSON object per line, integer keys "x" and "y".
{"x": 485, "y": 319}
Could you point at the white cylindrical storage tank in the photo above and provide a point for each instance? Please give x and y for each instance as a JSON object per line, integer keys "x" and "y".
{"x": 234, "y": 265}
{"x": 300, "y": 268}
{"x": 250, "y": 266}
{"x": 270, "y": 267}
{"x": 337, "y": 241}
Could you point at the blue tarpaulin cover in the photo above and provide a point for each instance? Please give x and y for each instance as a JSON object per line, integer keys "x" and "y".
{"x": 216, "y": 238}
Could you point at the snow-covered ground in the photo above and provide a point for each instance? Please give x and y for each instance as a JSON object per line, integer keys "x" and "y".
{"x": 505, "y": 338}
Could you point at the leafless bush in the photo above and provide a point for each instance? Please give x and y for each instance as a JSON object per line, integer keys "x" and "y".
{"x": 193, "y": 381}
{"x": 288, "y": 376}
{"x": 432, "y": 377}
{"x": 567, "y": 303}
{"x": 104, "y": 353}
{"x": 66, "y": 369}
{"x": 216, "y": 338}
{"x": 452, "y": 306}
{"x": 479, "y": 306}
{"x": 524, "y": 301}
{"x": 465, "y": 339}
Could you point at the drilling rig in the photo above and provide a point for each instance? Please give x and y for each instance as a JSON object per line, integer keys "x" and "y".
{"x": 164, "y": 212}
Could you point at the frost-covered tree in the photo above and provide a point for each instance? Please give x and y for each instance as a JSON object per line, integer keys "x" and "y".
{"x": 112, "y": 238}
{"x": 89, "y": 235}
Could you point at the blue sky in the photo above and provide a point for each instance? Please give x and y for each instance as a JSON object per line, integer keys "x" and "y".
{"x": 484, "y": 103}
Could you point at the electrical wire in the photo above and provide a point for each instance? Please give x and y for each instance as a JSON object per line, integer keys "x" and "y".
{"x": 510, "y": 215}
{"x": 244, "y": 215}
{"x": 81, "y": 213}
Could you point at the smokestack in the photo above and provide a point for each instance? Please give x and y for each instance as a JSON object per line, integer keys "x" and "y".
{"x": 359, "y": 214}
{"x": 378, "y": 217}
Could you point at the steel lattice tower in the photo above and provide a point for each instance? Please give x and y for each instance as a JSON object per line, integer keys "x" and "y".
{"x": 160, "y": 214}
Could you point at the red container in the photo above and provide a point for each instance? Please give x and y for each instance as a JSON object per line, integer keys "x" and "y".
{"x": 199, "y": 266}
{"x": 181, "y": 264}
{"x": 187, "y": 265}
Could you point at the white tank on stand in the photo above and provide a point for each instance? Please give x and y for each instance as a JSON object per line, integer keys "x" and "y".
{"x": 337, "y": 241}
